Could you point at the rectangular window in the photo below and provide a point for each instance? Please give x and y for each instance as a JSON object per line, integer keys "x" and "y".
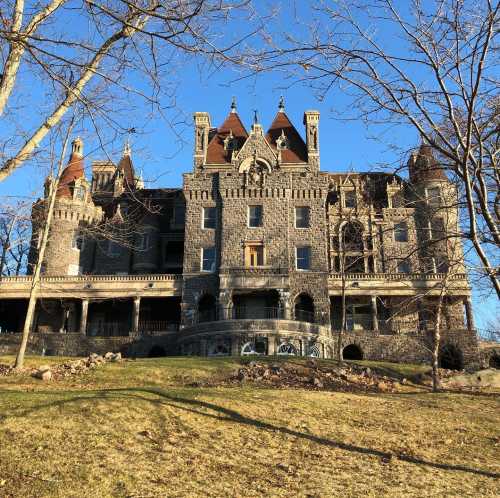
{"x": 209, "y": 217}
{"x": 208, "y": 259}
{"x": 254, "y": 216}
{"x": 437, "y": 229}
{"x": 303, "y": 258}
{"x": 179, "y": 215}
{"x": 433, "y": 197}
{"x": 404, "y": 267}
{"x": 302, "y": 217}
{"x": 441, "y": 264}
{"x": 350, "y": 199}
{"x": 254, "y": 255}
{"x": 401, "y": 232}
{"x": 143, "y": 242}
{"x": 77, "y": 242}
{"x": 113, "y": 249}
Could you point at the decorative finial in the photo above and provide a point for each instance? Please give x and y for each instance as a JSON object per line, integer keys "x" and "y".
{"x": 127, "y": 150}
{"x": 255, "y": 117}
{"x": 233, "y": 105}
{"x": 281, "y": 105}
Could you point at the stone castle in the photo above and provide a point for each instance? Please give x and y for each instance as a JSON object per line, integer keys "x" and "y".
{"x": 260, "y": 252}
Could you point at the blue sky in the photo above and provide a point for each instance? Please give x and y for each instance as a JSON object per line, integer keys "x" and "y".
{"x": 163, "y": 149}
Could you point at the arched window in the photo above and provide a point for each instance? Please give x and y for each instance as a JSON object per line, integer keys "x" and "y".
{"x": 207, "y": 309}
{"x": 315, "y": 350}
{"x": 287, "y": 349}
{"x": 304, "y": 308}
{"x": 352, "y": 352}
{"x": 352, "y": 237}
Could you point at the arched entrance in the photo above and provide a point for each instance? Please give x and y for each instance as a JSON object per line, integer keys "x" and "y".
{"x": 494, "y": 361}
{"x": 304, "y": 308}
{"x": 207, "y": 309}
{"x": 352, "y": 352}
{"x": 451, "y": 358}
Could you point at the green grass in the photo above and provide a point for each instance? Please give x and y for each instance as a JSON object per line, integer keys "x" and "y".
{"x": 137, "y": 429}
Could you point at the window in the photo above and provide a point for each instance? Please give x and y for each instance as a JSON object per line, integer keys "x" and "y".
{"x": 79, "y": 193}
{"x": 437, "y": 230}
{"x": 433, "y": 197}
{"x": 254, "y": 216}
{"x": 209, "y": 217}
{"x": 113, "y": 249}
{"x": 302, "y": 217}
{"x": 401, "y": 232}
{"x": 77, "y": 243}
{"x": 350, "y": 198}
{"x": 303, "y": 258}
{"x": 174, "y": 253}
{"x": 441, "y": 264}
{"x": 208, "y": 259}
{"x": 404, "y": 267}
{"x": 179, "y": 215}
{"x": 143, "y": 242}
{"x": 255, "y": 255}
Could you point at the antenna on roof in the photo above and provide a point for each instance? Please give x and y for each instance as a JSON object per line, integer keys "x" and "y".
{"x": 281, "y": 105}
{"x": 233, "y": 105}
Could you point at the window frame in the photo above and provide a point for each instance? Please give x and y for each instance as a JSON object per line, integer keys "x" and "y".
{"x": 399, "y": 231}
{"x": 261, "y": 250}
{"x": 308, "y": 218}
{"x": 350, "y": 191}
{"x": 433, "y": 201}
{"x": 261, "y": 217}
{"x": 309, "y": 257}
{"x": 203, "y": 259}
{"x": 206, "y": 209}
{"x": 407, "y": 265}
{"x": 77, "y": 236}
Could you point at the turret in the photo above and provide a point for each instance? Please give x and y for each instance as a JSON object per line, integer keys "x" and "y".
{"x": 311, "y": 122}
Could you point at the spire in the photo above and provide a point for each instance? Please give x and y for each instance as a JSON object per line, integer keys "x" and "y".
{"x": 255, "y": 117}
{"x": 127, "y": 150}
{"x": 281, "y": 105}
{"x": 233, "y": 105}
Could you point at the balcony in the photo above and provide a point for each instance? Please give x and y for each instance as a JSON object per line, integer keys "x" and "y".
{"x": 257, "y": 277}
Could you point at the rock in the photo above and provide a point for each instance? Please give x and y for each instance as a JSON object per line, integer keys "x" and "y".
{"x": 489, "y": 377}
{"x": 275, "y": 368}
{"x": 242, "y": 374}
{"x": 46, "y": 376}
{"x": 116, "y": 357}
{"x": 109, "y": 355}
{"x": 44, "y": 368}
{"x": 311, "y": 363}
{"x": 367, "y": 371}
{"x": 317, "y": 383}
{"x": 252, "y": 364}
{"x": 382, "y": 386}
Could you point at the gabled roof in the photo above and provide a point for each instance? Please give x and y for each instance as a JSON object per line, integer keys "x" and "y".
{"x": 74, "y": 170}
{"x": 127, "y": 168}
{"x": 215, "y": 151}
{"x": 297, "y": 150}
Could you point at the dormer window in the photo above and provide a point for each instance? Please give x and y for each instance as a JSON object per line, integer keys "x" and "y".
{"x": 230, "y": 142}
{"x": 79, "y": 193}
{"x": 282, "y": 142}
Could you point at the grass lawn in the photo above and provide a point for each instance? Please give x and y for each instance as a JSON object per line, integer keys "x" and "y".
{"x": 136, "y": 429}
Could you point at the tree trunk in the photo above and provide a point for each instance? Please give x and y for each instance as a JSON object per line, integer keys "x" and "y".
{"x": 35, "y": 281}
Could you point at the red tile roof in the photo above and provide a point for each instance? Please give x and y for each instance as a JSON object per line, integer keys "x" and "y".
{"x": 215, "y": 151}
{"x": 297, "y": 150}
{"x": 74, "y": 170}
{"x": 125, "y": 165}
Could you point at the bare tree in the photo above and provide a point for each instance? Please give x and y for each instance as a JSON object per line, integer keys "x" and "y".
{"x": 15, "y": 233}
{"x": 112, "y": 43}
{"x": 430, "y": 67}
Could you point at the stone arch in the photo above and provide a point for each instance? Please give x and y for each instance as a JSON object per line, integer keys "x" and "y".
{"x": 451, "y": 357}
{"x": 260, "y": 161}
{"x": 352, "y": 352}
{"x": 304, "y": 307}
{"x": 494, "y": 361}
{"x": 207, "y": 308}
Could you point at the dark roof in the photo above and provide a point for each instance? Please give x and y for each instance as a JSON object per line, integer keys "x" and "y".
{"x": 297, "y": 150}
{"x": 74, "y": 170}
{"x": 424, "y": 166}
{"x": 215, "y": 151}
{"x": 127, "y": 168}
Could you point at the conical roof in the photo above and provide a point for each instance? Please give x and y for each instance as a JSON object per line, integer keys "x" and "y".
{"x": 232, "y": 125}
{"x": 424, "y": 167}
{"x": 73, "y": 171}
{"x": 297, "y": 150}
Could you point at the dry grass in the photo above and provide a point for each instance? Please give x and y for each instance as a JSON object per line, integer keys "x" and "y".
{"x": 134, "y": 429}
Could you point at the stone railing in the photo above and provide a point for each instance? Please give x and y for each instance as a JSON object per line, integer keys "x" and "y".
{"x": 254, "y": 270}
{"x": 396, "y": 276}
{"x": 160, "y": 277}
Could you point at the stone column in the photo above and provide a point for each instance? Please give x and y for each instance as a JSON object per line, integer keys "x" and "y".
{"x": 374, "y": 314}
{"x": 135, "y": 315}
{"x": 271, "y": 345}
{"x": 468, "y": 313}
{"x": 83, "y": 318}
{"x": 235, "y": 346}
{"x": 285, "y": 304}
{"x": 64, "y": 317}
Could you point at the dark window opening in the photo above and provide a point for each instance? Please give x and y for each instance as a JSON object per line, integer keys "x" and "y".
{"x": 451, "y": 358}
{"x": 352, "y": 352}
{"x": 254, "y": 216}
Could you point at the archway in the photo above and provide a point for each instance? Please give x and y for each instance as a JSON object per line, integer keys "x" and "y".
{"x": 494, "y": 361}
{"x": 352, "y": 352}
{"x": 451, "y": 357}
{"x": 287, "y": 349}
{"x": 304, "y": 308}
{"x": 207, "y": 308}
{"x": 352, "y": 237}
{"x": 157, "y": 352}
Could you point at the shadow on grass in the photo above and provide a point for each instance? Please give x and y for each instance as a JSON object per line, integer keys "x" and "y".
{"x": 228, "y": 415}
